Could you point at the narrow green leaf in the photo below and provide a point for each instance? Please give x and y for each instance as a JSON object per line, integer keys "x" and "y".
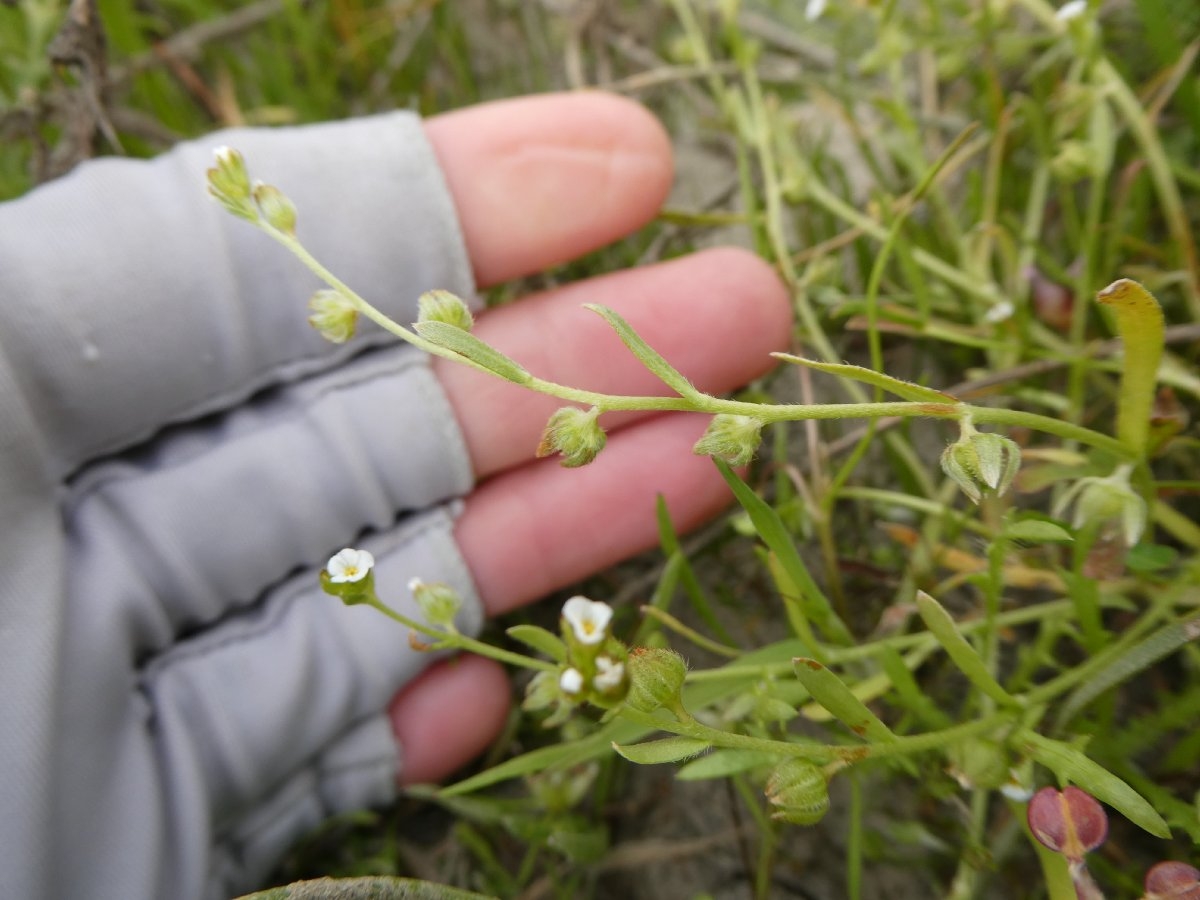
{"x": 541, "y": 640}
{"x": 377, "y": 887}
{"x": 467, "y": 345}
{"x": 942, "y": 626}
{"x": 1137, "y": 658}
{"x": 667, "y": 750}
{"x": 1139, "y": 320}
{"x": 905, "y": 390}
{"x": 724, "y": 762}
{"x": 1037, "y": 531}
{"x": 669, "y": 538}
{"x": 833, "y": 694}
{"x": 775, "y": 535}
{"x": 1071, "y": 765}
{"x": 650, "y": 357}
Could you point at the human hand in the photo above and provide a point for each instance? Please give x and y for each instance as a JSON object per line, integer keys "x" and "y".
{"x": 186, "y": 700}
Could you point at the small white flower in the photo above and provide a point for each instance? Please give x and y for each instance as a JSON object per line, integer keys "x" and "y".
{"x": 349, "y": 565}
{"x": 588, "y": 619}
{"x": 414, "y": 585}
{"x": 609, "y": 674}
{"x": 571, "y": 681}
{"x": 1072, "y": 10}
{"x": 814, "y": 9}
{"x": 1000, "y": 312}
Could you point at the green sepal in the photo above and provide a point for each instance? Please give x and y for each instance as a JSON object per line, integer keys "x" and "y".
{"x": 905, "y": 390}
{"x": 541, "y": 640}
{"x": 833, "y": 694}
{"x": 667, "y": 750}
{"x": 465, "y": 344}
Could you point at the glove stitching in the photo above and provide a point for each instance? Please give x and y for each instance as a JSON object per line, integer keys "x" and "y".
{"x": 100, "y": 474}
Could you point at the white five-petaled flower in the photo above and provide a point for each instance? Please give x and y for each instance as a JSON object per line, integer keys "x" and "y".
{"x": 609, "y": 673}
{"x": 571, "y": 681}
{"x": 349, "y": 565}
{"x": 588, "y": 619}
{"x": 1072, "y": 10}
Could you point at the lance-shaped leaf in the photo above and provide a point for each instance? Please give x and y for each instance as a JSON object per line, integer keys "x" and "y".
{"x": 1071, "y": 765}
{"x": 939, "y": 623}
{"x": 470, "y": 347}
{"x": 1139, "y": 321}
{"x": 833, "y": 694}
{"x": 1135, "y": 659}
{"x": 541, "y": 640}
{"x": 724, "y": 762}
{"x": 779, "y": 541}
{"x": 905, "y": 390}
{"x": 650, "y": 357}
{"x": 668, "y": 750}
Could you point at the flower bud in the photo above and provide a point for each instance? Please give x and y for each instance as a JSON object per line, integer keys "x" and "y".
{"x": 1172, "y": 881}
{"x": 982, "y": 463}
{"x": 978, "y": 763}
{"x": 1074, "y": 162}
{"x": 655, "y": 678}
{"x": 1111, "y": 499}
{"x": 734, "y": 439}
{"x": 229, "y": 183}
{"x": 276, "y": 208}
{"x": 443, "y": 306}
{"x": 575, "y": 434}
{"x": 570, "y": 682}
{"x": 438, "y": 602}
{"x": 1071, "y": 822}
{"x": 611, "y": 681}
{"x": 333, "y": 315}
{"x": 800, "y": 791}
{"x": 350, "y": 575}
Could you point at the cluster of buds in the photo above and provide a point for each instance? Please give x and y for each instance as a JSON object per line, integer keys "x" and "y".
{"x": 734, "y": 439}
{"x": 595, "y": 664}
{"x": 229, "y": 183}
{"x": 1073, "y": 823}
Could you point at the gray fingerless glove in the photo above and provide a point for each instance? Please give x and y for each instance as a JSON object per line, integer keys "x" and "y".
{"x": 179, "y": 453}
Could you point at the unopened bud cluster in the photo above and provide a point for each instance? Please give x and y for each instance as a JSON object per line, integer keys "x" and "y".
{"x": 575, "y": 434}
{"x": 734, "y": 439}
{"x": 981, "y": 463}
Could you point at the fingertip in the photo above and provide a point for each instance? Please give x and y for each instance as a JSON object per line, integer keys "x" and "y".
{"x": 539, "y": 180}
{"x": 447, "y": 716}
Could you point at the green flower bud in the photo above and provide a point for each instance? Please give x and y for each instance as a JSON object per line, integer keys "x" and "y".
{"x": 655, "y": 678}
{"x": 981, "y": 463}
{"x": 229, "y": 184}
{"x": 1074, "y": 162}
{"x": 334, "y": 315}
{"x": 978, "y": 763}
{"x": 575, "y": 434}
{"x": 438, "y": 602}
{"x": 443, "y": 306}
{"x": 734, "y": 439}
{"x": 800, "y": 792}
{"x": 276, "y": 208}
